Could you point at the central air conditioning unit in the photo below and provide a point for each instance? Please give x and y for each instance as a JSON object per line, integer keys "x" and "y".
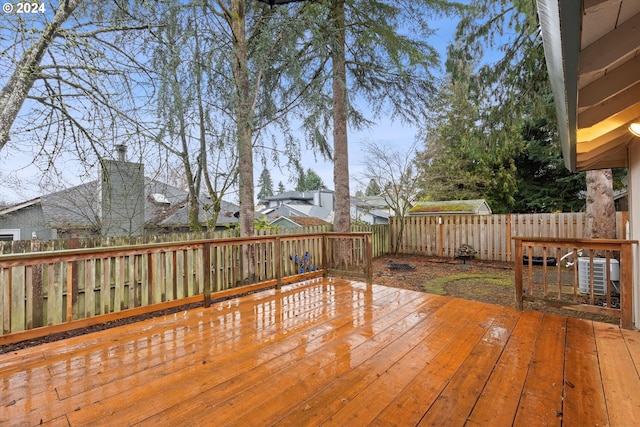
{"x": 599, "y": 275}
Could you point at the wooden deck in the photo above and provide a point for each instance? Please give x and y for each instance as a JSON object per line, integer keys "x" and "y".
{"x": 332, "y": 352}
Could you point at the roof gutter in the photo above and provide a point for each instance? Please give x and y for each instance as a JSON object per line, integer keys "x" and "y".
{"x": 560, "y": 22}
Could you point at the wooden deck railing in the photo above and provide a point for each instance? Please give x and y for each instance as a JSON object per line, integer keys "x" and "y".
{"x": 48, "y": 292}
{"x": 591, "y": 275}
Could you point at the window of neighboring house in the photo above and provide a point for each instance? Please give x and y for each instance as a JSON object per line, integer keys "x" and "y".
{"x": 9, "y": 234}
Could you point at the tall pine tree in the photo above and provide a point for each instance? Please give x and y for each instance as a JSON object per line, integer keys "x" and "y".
{"x": 265, "y": 184}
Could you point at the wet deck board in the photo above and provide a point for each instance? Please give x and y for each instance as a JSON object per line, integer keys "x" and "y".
{"x": 332, "y": 352}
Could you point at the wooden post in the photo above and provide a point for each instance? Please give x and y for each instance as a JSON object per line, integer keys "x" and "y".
{"x": 440, "y": 238}
{"x": 626, "y": 286}
{"x": 150, "y": 279}
{"x": 206, "y": 273}
{"x": 37, "y": 292}
{"x": 368, "y": 262}
{"x": 518, "y": 273}
{"x": 325, "y": 254}
{"x": 69, "y": 317}
{"x": 75, "y": 244}
{"x": 508, "y": 226}
{"x": 277, "y": 254}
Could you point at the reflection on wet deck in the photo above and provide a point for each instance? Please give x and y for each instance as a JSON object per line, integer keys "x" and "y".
{"x": 332, "y": 352}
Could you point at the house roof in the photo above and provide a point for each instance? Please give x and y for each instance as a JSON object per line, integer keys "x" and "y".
{"x": 307, "y": 221}
{"x": 459, "y": 207}
{"x": 294, "y": 195}
{"x": 78, "y": 206}
{"x": 297, "y": 210}
{"x": 369, "y": 202}
{"x": 591, "y": 48}
{"x": 180, "y": 214}
{"x": 7, "y": 209}
{"x": 284, "y": 210}
{"x": 379, "y": 213}
{"x": 314, "y": 211}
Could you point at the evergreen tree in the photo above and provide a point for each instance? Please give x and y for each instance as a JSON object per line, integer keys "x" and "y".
{"x": 312, "y": 181}
{"x": 265, "y": 184}
{"x": 309, "y": 181}
{"x": 373, "y": 189}
{"x": 281, "y": 188}
{"x": 544, "y": 183}
{"x": 472, "y": 153}
{"x": 376, "y": 50}
{"x": 301, "y": 183}
{"x": 454, "y": 163}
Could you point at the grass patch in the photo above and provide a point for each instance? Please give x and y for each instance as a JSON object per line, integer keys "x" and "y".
{"x": 471, "y": 280}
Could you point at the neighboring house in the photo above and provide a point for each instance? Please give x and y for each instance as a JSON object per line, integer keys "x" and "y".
{"x": 124, "y": 202}
{"x": 451, "y": 207}
{"x": 319, "y": 204}
{"x": 370, "y": 209}
{"x": 310, "y": 204}
{"x": 321, "y": 197}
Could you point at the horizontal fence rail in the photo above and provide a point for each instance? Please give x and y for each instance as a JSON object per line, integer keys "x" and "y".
{"x": 48, "y": 292}
{"x": 24, "y": 246}
{"x": 590, "y": 275}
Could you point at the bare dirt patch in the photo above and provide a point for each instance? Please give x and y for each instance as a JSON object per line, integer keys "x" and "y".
{"x": 485, "y": 281}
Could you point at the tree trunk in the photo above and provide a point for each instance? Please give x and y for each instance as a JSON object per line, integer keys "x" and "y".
{"x": 342, "y": 217}
{"x": 245, "y": 148}
{"x": 244, "y": 133}
{"x": 14, "y": 93}
{"x": 601, "y": 211}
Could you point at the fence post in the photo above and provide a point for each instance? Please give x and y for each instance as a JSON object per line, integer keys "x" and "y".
{"x": 368, "y": 262}
{"x": 508, "y": 227}
{"x": 440, "y": 237}
{"x": 72, "y": 281}
{"x": 206, "y": 273}
{"x": 277, "y": 253}
{"x": 518, "y": 273}
{"x": 70, "y": 271}
{"x": 37, "y": 292}
{"x": 325, "y": 254}
{"x": 626, "y": 281}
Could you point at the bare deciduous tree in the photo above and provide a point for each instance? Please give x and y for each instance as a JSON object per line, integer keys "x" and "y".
{"x": 74, "y": 86}
{"x": 395, "y": 173}
{"x": 27, "y": 70}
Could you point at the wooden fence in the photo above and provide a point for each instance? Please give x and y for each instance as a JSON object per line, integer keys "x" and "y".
{"x": 48, "y": 292}
{"x": 379, "y": 239}
{"x": 490, "y": 235}
{"x": 23, "y": 246}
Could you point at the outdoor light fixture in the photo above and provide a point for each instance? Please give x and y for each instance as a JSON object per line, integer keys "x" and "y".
{"x": 634, "y": 128}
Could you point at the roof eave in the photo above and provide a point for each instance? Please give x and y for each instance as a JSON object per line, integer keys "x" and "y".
{"x": 560, "y": 23}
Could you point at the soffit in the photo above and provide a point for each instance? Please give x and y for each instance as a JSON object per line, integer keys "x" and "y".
{"x": 597, "y": 81}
